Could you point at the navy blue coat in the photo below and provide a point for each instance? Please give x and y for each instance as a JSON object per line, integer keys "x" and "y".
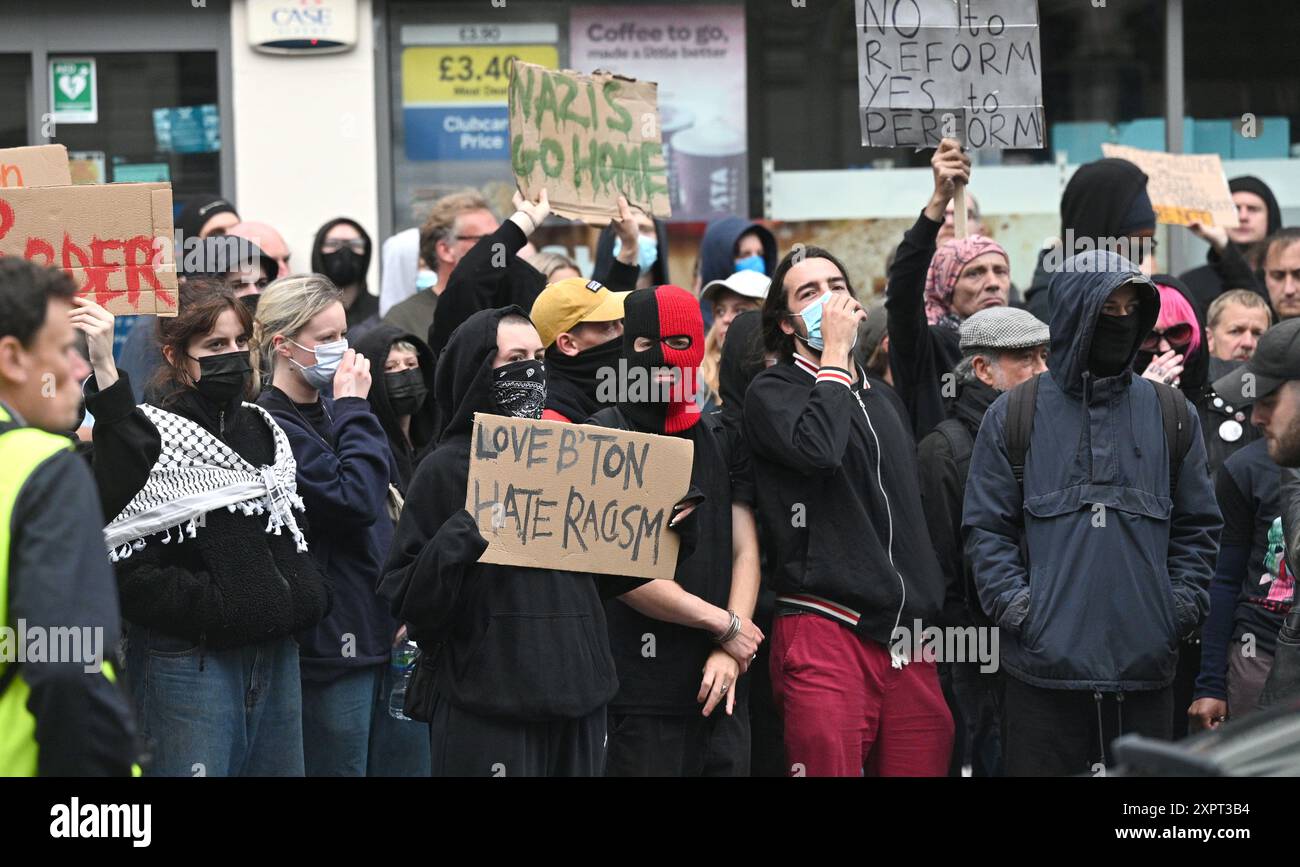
{"x": 1113, "y": 572}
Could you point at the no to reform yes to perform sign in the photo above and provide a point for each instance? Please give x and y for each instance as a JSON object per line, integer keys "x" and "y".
{"x": 551, "y": 495}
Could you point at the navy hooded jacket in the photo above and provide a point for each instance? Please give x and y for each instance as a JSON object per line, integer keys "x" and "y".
{"x": 1113, "y": 572}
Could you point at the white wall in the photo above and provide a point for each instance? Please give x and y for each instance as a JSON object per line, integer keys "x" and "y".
{"x": 305, "y": 138}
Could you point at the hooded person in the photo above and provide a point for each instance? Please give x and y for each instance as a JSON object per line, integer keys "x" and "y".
{"x": 931, "y": 291}
{"x": 581, "y": 325}
{"x": 1105, "y": 200}
{"x": 656, "y": 727}
{"x": 623, "y": 273}
{"x": 1001, "y": 347}
{"x": 399, "y": 269}
{"x": 342, "y": 251}
{"x": 732, "y": 244}
{"x": 401, "y": 397}
{"x": 1120, "y": 530}
{"x": 520, "y": 657}
{"x": 1237, "y": 254}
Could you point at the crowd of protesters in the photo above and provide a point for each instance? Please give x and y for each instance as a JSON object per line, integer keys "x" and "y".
{"x": 267, "y": 498}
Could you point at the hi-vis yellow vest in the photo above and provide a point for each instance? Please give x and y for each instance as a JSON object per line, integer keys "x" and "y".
{"x": 22, "y": 450}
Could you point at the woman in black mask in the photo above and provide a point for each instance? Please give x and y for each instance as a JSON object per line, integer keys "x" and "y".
{"x": 400, "y": 398}
{"x": 341, "y": 252}
{"x": 212, "y": 562}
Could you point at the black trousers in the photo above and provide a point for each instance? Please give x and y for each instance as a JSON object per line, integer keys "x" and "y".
{"x": 1066, "y": 732}
{"x": 463, "y": 744}
{"x": 645, "y": 745}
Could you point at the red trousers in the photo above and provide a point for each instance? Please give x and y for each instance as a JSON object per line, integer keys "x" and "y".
{"x": 848, "y": 711}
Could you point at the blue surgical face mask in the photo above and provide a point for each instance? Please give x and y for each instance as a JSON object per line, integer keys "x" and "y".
{"x": 647, "y": 251}
{"x": 320, "y": 375}
{"x": 752, "y": 263}
{"x": 812, "y": 318}
{"x": 426, "y": 279}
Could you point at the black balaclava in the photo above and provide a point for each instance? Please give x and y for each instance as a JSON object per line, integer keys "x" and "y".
{"x": 1112, "y": 344}
{"x": 342, "y": 266}
{"x": 657, "y": 313}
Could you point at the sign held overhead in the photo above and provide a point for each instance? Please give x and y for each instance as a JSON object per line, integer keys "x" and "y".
{"x": 1184, "y": 188}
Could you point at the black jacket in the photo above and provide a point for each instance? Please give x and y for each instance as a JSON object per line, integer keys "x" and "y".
{"x": 919, "y": 353}
{"x": 231, "y": 585}
{"x": 375, "y": 345}
{"x": 839, "y": 499}
{"x": 517, "y": 643}
{"x": 943, "y": 489}
{"x": 1231, "y": 269}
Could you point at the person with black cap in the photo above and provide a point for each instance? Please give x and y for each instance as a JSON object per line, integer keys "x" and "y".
{"x": 520, "y": 657}
{"x": 205, "y": 215}
{"x": 657, "y": 727}
{"x": 1119, "y": 529}
{"x": 342, "y": 251}
{"x": 1105, "y": 206}
{"x": 1001, "y": 348}
{"x": 1236, "y": 254}
{"x": 1271, "y": 379}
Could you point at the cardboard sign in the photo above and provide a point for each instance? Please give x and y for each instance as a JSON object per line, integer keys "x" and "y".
{"x": 586, "y": 139}
{"x": 551, "y": 495}
{"x": 115, "y": 240}
{"x": 43, "y": 166}
{"x": 964, "y": 69}
{"x": 1184, "y": 188}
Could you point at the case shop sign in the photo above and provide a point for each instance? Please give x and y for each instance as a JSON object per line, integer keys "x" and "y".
{"x": 302, "y": 26}
{"x": 73, "y": 90}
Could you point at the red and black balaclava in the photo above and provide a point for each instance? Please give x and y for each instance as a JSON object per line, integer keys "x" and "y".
{"x": 661, "y": 313}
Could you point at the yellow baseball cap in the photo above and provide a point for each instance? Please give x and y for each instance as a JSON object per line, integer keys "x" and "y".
{"x": 565, "y": 303}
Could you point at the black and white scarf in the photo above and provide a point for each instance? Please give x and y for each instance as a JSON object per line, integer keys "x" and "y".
{"x": 197, "y": 473}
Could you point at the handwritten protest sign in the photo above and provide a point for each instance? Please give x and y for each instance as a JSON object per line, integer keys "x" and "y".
{"x": 1184, "y": 188}
{"x": 42, "y": 166}
{"x": 115, "y": 240}
{"x": 964, "y": 69}
{"x": 552, "y": 495}
{"x": 586, "y": 139}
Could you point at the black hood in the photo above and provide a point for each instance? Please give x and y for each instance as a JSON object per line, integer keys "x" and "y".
{"x": 742, "y": 359}
{"x": 1098, "y": 197}
{"x": 463, "y": 382}
{"x": 1252, "y": 184}
{"x": 605, "y": 253}
{"x": 375, "y": 345}
{"x": 318, "y": 263}
{"x": 1196, "y": 369}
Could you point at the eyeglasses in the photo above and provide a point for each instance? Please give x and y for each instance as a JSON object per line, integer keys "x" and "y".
{"x": 333, "y": 245}
{"x": 1174, "y": 335}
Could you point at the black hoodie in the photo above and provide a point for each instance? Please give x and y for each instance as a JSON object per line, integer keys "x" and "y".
{"x": 366, "y": 305}
{"x": 1231, "y": 269}
{"x": 618, "y": 277}
{"x": 375, "y": 345}
{"x": 517, "y": 643}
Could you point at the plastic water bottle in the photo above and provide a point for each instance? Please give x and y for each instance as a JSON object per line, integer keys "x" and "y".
{"x": 401, "y": 664}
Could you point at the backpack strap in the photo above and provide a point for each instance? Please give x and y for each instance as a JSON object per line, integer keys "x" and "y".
{"x": 960, "y": 444}
{"x": 1020, "y": 426}
{"x": 1178, "y": 429}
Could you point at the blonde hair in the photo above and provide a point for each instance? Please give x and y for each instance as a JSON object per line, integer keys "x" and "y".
{"x": 1244, "y": 297}
{"x": 286, "y": 306}
{"x": 710, "y": 367}
{"x": 549, "y": 263}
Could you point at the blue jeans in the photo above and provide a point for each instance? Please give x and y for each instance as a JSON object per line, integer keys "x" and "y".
{"x": 347, "y": 730}
{"x": 231, "y": 713}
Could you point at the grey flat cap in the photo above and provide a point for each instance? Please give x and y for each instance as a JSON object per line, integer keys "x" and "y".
{"x": 1002, "y": 328}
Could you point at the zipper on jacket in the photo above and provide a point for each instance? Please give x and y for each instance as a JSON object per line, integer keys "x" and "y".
{"x": 898, "y": 659}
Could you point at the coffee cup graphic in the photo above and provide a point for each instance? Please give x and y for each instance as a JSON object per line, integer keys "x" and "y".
{"x": 710, "y": 165}
{"x": 672, "y": 120}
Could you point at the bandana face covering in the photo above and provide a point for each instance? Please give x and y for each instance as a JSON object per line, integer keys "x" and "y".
{"x": 406, "y": 390}
{"x": 223, "y": 377}
{"x": 519, "y": 388}
{"x": 660, "y": 314}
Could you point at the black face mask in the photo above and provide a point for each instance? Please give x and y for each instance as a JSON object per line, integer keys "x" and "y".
{"x": 406, "y": 390}
{"x": 519, "y": 388}
{"x": 343, "y": 267}
{"x": 250, "y": 302}
{"x": 1112, "y": 344}
{"x": 223, "y": 377}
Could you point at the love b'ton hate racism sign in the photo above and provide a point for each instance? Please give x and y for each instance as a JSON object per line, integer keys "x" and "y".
{"x": 587, "y": 139}
{"x": 1184, "y": 188}
{"x": 964, "y": 69}
{"x": 551, "y": 495}
{"x": 114, "y": 240}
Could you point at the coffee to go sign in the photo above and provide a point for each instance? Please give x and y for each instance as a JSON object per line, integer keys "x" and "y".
{"x": 301, "y": 27}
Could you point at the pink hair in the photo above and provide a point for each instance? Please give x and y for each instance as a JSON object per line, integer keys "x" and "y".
{"x": 1175, "y": 309}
